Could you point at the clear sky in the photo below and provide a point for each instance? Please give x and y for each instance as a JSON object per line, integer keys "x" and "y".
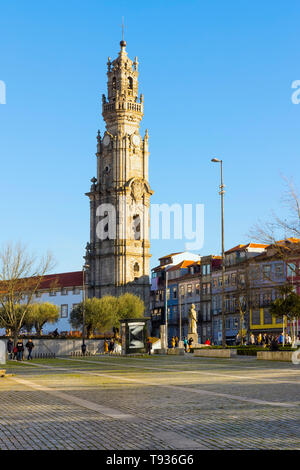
{"x": 216, "y": 78}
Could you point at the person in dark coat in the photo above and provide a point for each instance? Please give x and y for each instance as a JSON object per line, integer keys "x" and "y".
{"x": 149, "y": 346}
{"x": 111, "y": 346}
{"x": 29, "y": 345}
{"x": 10, "y": 347}
{"x": 20, "y": 350}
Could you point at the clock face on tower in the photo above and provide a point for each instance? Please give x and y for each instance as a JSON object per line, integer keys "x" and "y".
{"x": 136, "y": 140}
{"x": 106, "y": 140}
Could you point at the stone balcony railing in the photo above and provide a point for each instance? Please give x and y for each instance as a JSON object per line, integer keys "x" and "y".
{"x": 123, "y": 106}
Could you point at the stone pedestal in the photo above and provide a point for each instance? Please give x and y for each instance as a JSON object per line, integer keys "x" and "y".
{"x": 163, "y": 337}
{"x": 2, "y": 352}
{"x": 195, "y": 338}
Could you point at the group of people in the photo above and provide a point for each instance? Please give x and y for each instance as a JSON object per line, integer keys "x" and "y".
{"x": 187, "y": 343}
{"x": 266, "y": 339}
{"x": 17, "y": 352}
{"x": 111, "y": 346}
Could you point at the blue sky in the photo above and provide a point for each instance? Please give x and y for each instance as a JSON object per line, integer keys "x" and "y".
{"x": 216, "y": 78}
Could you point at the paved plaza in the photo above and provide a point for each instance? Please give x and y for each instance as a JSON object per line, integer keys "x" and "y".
{"x": 150, "y": 403}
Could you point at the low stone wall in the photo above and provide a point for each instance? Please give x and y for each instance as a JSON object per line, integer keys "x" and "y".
{"x": 215, "y": 352}
{"x": 170, "y": 351}
{"x": 176, "y": 351}
{"x": 285, "y": 356}
{"x": 64, "y": 347}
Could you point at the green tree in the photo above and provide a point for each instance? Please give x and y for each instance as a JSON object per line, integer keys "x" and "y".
{"x": 100, "y": 314}
{"x": 39, "y": 314}
{"x": 130, "y": 306}
{"x": 288, "y": 304}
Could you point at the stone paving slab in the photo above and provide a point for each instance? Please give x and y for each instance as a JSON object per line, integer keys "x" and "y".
{"x": 150, "y": 403}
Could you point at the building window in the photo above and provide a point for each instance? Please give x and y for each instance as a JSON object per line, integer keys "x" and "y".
{"x": 204, "y": 307}
{"x": 233, "y": 279}
{"x": 38, "y": 294}
{"x": 52, "y": 293}
{"x": 267, "y": 298}
{"x": 278, "y": 271}
{"x": 268, "y": 320}
{"x": 136, "y": 269}
{"x": 190, "y": 290}
{"x": 228, "y": 324}
{"x": 255, "y": 317}
{"x": 64, "y": 311}
{"x": 64, "y": 291}
{"x": 267, "y": 271}
{"x": 255, "y": 273}
{"x": 291, "y": 269}
{"x": 197, "y": 289}
{"x": 76, "y": 290}
{"x": 174, "y": 292}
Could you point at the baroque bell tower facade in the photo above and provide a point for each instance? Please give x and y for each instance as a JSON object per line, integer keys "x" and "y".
{"x": 118, "y": 252}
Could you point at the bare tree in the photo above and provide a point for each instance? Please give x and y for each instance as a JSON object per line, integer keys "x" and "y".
{"x": 21, "y": 275}
{"x": 281, "y": 233}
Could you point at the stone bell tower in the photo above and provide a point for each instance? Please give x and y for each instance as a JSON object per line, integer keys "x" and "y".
{"x": 118, "y": 252}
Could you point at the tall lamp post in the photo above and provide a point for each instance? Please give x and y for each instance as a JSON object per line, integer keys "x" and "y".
{"x": 166, "y": 307}
{"x": 83, "y": 346}
{"x": 216, "y": 160}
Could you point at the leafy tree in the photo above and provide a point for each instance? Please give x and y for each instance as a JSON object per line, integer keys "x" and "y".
{"x": 130, "y": 306}
{"x": 100, "y": 314}
{"x": 105, "y": 313}
{"x": 39, "y": 314}
{"x": 21, "y": 274}
{"x": 287, "y": 305}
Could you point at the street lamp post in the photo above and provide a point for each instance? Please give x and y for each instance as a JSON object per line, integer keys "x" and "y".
{"x": 83, "y": 346}
{"x": 216, "y": 160}
{"x": 166, "y": 307}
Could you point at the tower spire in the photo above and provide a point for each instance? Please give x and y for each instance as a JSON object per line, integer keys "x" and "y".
{"x": 123, "y": 42}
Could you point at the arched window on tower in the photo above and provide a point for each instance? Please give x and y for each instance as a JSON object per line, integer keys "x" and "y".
{"x": 130, "y": 83}
{"x": 137, "y": 227}
{"x": 136, "y": 270}
{"x": 114, "y": 83}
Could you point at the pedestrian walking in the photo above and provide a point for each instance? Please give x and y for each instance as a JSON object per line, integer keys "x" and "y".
{"x": 105, "y": 346}
{"x": 190, "y": 343}
{"x": 20, "y": 350}
{"x": 185, "y": 344}
{"x": 207, "y": 342}
{"x": 111, "y": 346}
{"x": 10, "y": 347}
{"x": 29, "y": 345}
{"x": 149, "y": 346}
{"x": 173, "y": 342}
{"x": 176, "y": 342}
{"x": 252, "y": 339}
{"x": 259, "y": 339}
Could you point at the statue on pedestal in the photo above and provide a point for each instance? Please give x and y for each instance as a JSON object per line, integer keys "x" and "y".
{"x": 192, "y": 320}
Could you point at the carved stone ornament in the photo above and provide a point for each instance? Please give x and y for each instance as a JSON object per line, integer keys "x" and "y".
{"x": 137, "y": 189}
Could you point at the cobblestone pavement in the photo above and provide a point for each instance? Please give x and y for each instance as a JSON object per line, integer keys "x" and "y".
{"x": 151, "y": 403}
